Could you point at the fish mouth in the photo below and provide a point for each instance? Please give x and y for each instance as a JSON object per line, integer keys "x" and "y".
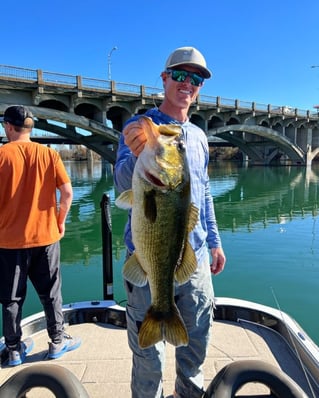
{"x": 154, "y": 180}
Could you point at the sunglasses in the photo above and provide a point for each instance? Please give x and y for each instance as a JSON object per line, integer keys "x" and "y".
{"x": 181, "y": 75}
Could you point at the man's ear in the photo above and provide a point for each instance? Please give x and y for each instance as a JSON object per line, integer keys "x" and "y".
{"x": 164, "y": 77}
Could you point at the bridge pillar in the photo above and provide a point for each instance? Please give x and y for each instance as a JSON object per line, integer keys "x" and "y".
{"x": 308, "y": 153}
{"x": 245, "y": 159}
{"x": 308, "y": 156}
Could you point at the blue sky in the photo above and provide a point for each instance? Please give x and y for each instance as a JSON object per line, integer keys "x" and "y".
{"x": 257, "y": 50}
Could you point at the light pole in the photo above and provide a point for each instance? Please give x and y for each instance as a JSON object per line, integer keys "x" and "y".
{"x": 109, "y": 62}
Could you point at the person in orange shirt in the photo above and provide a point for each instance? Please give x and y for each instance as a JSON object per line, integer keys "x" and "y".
{"x": 32, "y": 222}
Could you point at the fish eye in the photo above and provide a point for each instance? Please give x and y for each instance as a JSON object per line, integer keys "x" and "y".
{"x": 181, "y": 145}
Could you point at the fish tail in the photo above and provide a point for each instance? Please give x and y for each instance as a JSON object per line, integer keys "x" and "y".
{"x": 158, "y": 326}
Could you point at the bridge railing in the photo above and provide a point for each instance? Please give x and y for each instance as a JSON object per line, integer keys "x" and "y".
{"x": 84, "y": 83}
{"x": 262, "y": 107}
{"x": 18, "y": 73}
{"x": 59, "y": 78}
{"x": 96, "y": 84}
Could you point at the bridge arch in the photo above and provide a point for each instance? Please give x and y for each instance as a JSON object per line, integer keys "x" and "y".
{"x": 53, "y": 103}
{"x": 71, "y": 126}
{"x": 315, "y": 153}
{"x": 118, "y": 116}
{"x": 199, "y": 120}
{"x": 262, "y": 150}
{"x": 315, "y": 137}
{"x": 89, "y": 110}
{"x": 215, "y": 122}
{"x": 232, "y": 120}
{"x": 290, "y": 132}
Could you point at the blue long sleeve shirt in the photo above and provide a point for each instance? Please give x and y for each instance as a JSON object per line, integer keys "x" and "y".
{"x": 206, "y": 231}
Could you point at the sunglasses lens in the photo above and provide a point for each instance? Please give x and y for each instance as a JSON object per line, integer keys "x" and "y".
{"x": 181, "y": 75}
{"x": 196, "y": 80}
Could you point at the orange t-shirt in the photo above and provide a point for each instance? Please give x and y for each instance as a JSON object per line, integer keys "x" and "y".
{"x": 29, "y": 176}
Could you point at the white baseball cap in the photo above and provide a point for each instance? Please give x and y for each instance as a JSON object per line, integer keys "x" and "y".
{"x": 188, "y": 56}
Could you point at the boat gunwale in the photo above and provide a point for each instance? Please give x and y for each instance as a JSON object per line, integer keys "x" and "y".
{"x": 302, "y": 346}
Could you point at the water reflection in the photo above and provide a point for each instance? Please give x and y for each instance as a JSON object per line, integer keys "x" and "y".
{"x": 253, "y": 198}
{"x": 245, "y": 200}
{"x": 83, "y": 236}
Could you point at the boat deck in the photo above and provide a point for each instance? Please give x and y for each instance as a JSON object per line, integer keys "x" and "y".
{"x": 103, "y": 362}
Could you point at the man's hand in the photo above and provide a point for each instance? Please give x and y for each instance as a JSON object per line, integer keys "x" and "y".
{"x": 218, "y": 260}
{"x": 135, "y": 137}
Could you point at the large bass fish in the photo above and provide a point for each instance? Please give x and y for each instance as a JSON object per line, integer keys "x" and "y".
{"x": 162, "y": 217}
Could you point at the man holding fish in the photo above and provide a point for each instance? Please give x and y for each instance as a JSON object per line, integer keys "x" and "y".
{"x": 172, "y": 237}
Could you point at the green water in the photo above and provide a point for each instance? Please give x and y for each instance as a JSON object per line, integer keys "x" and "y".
{"x": 268, "y": 220}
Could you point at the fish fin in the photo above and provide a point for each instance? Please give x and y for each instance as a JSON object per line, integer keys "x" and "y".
{"x": 175, "y": 331}
{"x": 187, "y": 264}
{"x": 165, "y": 129}
{"x": 125, "y": 200}
{"x": 133, "y": 272}
{"x": 159, "y": 326}
{"x": 150, "y": 332}
{"x": 150, "y": 208}
{"x": 169, "y": 129}
{"x": 192, "y": 217}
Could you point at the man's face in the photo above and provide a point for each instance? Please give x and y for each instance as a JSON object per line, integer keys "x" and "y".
{"x": 181, "y": 94}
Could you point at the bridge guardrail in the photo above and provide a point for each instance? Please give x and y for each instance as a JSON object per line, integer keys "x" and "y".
{"x": 81, "y": 83}
{"x": 59, "y": 78}
{"x": 18, "y": 73}
{"x": 261, "y": 107}
{"x": 97, "y": 84}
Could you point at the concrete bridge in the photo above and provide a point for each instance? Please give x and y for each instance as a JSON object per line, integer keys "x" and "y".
{"x": 92, "y": 112}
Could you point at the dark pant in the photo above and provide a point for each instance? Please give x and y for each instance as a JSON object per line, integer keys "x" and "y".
{"x": 42, "y": 266}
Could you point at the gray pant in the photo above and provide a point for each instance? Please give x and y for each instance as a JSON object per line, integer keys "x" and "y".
{"x": 194, "y": 300}
{"x": 42, "y": 266}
